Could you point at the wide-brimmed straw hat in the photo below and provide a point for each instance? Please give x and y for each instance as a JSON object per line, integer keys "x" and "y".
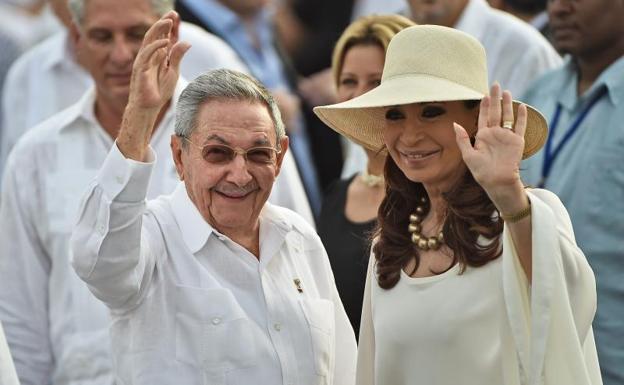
{"x": 424, "y": 63}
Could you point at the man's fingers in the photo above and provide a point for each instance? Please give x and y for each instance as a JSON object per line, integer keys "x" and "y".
{"x": 146, "y": 54}
{"x": 159, "y": 30}
{"x": 177, "y": 53}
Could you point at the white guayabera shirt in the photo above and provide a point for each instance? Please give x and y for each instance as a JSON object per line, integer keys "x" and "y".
{"x": 191, "y": 306}
{"x": 56, "y": 329}
{"x": 7, "y": 370}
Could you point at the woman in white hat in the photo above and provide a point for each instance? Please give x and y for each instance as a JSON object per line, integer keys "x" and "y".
{"x": 349, "y": 211}
{"x": 473, "y": 279}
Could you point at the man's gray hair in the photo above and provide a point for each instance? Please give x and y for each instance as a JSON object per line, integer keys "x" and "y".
{"x": 77, "y": 8}
{"x": 223, "y": 84}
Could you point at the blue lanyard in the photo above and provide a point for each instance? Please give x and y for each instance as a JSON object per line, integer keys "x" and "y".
{"x": 549, "y": 154}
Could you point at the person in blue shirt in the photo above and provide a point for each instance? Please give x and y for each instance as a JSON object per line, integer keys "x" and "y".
{"x": 583, "y": 159}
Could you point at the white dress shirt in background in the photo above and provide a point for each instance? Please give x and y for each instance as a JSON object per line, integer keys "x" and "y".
{"x": 57, "y": 331}
{"x": 191, "y": 306}
{"x": 47, "y": 79}
{"x": 7, "y": 370}
{"x": 516, "y": 52}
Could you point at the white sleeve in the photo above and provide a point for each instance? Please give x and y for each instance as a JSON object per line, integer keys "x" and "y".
{"x": 24, "y": 276}
{"x": 109, "y": 247}
{"x": 345, "y": 345}
{"x": 552, "y": 326}
{"x": 7, "y": 370}
{"x": 366, "y": 348}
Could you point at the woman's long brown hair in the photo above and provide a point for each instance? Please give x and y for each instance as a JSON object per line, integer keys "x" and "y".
{"x": 469, "y": 216}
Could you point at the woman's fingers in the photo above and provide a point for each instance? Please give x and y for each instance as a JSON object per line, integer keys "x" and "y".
{"x": 508, "y": 113}
{"x": 521, "y": 121}
{"x": 463, "y": 140}
{"x": 482, "y": 121}
{"x": 494, "y": 111}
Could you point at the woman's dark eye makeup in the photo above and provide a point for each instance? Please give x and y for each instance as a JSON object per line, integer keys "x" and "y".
{"x": 394, "y": 114}
{"x": 432, "y": 111}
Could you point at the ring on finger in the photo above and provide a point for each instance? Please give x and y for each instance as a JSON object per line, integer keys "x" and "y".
{"x": 508, "y": 124}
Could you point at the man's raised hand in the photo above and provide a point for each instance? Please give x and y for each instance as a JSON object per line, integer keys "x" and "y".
{"x": 157, "y": 66}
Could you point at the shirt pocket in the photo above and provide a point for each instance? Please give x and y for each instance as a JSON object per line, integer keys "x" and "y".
{"x": 606, "y": 193}
{"x": 319, "y": 315}
{"x": 64, "y": 193}
{"x": 212, "y": 331}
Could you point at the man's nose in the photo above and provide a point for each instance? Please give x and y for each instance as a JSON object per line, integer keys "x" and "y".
{"x": 123, "y": 52}
{"x": 556, "y": 7}
{"x": 239, "y": 171}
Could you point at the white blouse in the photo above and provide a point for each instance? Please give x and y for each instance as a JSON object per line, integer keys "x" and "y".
{"x": 488, "y": 326}
{"x": 441, "y": 329}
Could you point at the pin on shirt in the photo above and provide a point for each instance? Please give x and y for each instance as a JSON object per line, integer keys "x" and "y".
{"x": 297, "y": 283}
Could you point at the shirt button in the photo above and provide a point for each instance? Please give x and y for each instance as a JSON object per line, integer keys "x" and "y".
{"x": 119, "y": 179}
{"x": 101, "y": 230}
{"x": 216, "y": 320}
{"x": 277, "y": 327}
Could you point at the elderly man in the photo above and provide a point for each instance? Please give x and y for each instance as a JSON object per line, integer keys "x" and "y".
{"x": 583, "y": 161}
{"x": 210, "y": 285}
{"x": 56, "y": 329}
{"x": 517, "y": 53}
{"x": 49, "y": 78}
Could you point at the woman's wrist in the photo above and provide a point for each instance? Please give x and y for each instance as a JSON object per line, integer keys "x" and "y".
{"x": 510, "y": 200}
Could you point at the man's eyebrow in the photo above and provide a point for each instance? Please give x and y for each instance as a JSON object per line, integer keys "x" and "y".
{"x": 217, "y": 138}
{"x": 258, "y": 142}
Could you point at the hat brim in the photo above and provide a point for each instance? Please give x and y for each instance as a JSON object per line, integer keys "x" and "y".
{"x": 362, "y": 119}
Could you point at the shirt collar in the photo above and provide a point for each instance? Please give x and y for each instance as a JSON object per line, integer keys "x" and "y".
{"x": 471, "y": 19}
{"x": 194, "y": 228}
{"x": 611, "y": 78}
{"x": 60, "y": 51}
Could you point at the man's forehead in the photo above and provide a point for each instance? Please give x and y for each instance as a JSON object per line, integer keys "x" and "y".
{"x": 118, "y": 13}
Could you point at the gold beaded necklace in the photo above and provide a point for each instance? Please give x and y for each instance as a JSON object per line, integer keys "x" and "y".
{"x": 415, "y": 228}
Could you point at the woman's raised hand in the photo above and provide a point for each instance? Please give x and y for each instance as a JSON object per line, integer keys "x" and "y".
{"x": 494, "y": 159}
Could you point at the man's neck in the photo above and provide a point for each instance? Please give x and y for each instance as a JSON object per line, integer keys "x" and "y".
{"x": 594, "y": 64}
{"x": 249, "y": 240}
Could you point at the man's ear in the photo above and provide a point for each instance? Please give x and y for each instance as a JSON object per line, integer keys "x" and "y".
{"x": 176, "y": 152}
{"x": 74, "y": 33}
{"x": 280, "y": 157}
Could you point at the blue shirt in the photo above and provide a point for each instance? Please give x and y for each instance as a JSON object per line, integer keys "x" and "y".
{"x": 263, "y": 61}
{"x": 588, "y": 176}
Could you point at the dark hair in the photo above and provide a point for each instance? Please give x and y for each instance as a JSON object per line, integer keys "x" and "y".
{"x": 469, "y": 216}
{"x": 527, "y": 6}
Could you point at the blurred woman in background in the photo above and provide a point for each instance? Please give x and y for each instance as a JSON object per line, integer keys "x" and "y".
{"x": 350, "y": 205}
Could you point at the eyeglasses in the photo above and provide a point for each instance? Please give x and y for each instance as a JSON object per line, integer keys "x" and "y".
{"x": 221, "y": 153}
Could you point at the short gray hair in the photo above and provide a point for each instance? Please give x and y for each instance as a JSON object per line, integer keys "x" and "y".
{"x": 223, "y": 84}
{"x": 77, "y": 8}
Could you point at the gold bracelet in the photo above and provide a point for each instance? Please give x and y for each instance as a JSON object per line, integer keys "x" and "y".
{"x": 515, "y": 217}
